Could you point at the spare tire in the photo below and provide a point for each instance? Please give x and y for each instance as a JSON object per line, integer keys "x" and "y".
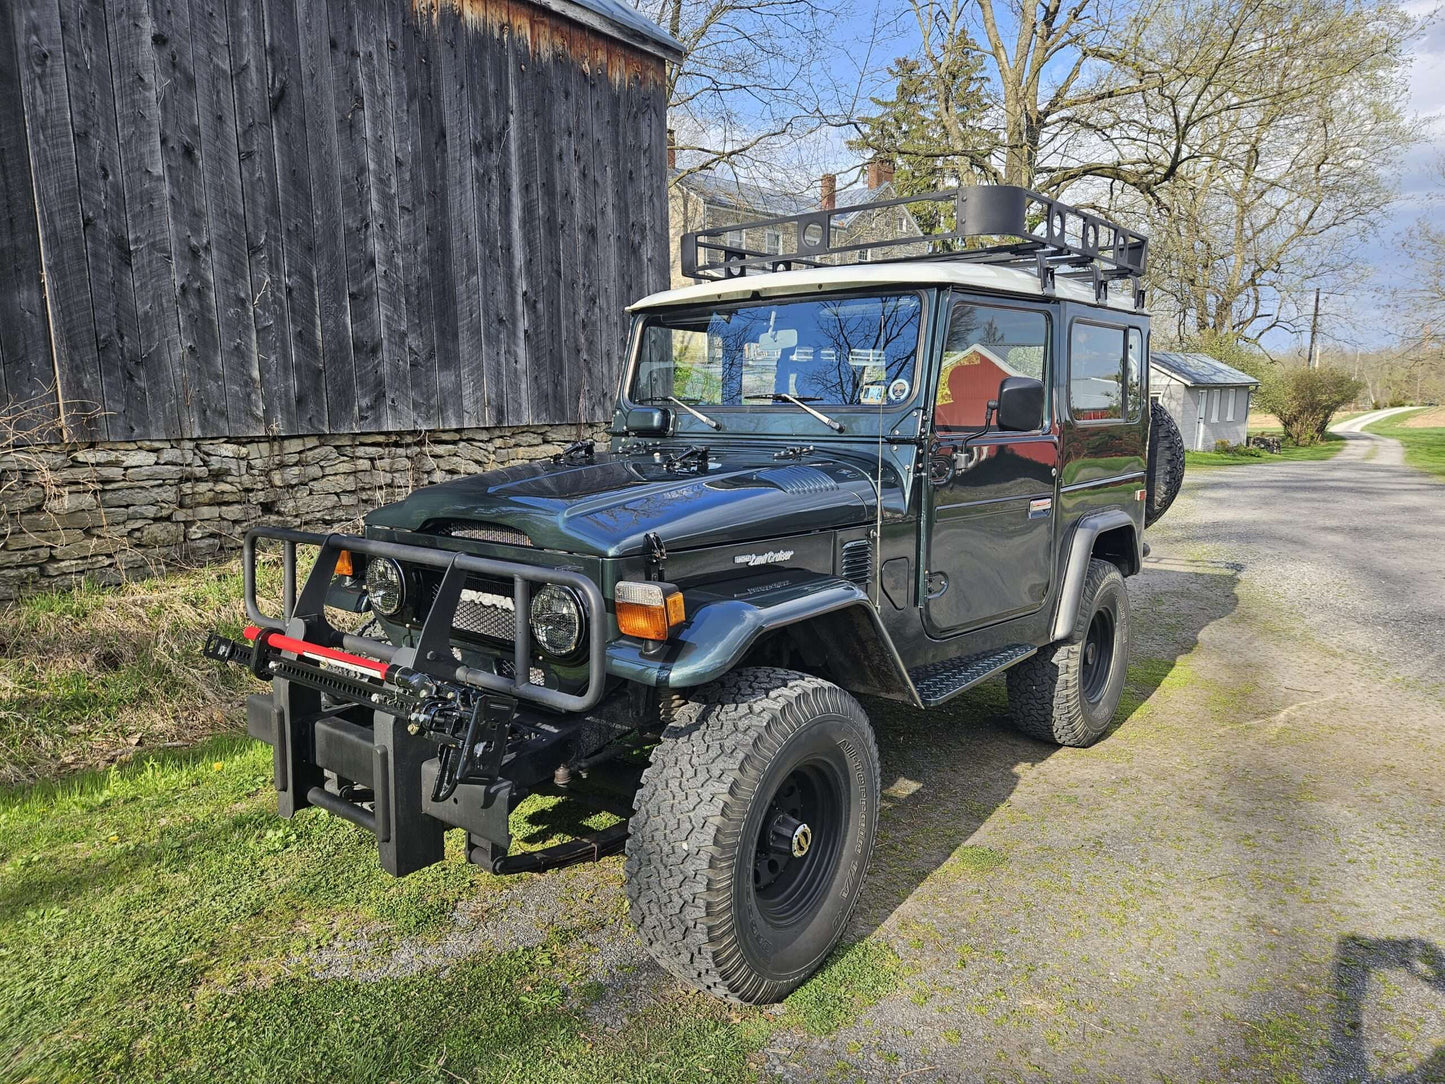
{"x": 1166, "y": 463}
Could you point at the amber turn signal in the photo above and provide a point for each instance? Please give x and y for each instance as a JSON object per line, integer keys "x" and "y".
{"x": 649, "y": 611}
{"x": 343, "y": 564}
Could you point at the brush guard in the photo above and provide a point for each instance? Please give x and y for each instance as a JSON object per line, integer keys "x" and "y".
{"x": 419, "y": 741}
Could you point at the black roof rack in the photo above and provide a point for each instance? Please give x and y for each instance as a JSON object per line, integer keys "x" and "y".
{"x": 994, "y": 224}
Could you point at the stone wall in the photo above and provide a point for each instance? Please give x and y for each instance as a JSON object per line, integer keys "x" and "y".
{"x": 116, "y": 509}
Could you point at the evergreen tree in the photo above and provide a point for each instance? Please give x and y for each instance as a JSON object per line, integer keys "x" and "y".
{"x": 933, "y": 130}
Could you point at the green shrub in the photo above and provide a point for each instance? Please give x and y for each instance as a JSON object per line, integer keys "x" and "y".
{"x": 1304, "y": 399}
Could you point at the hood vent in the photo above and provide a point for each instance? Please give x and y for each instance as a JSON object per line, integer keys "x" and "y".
{"x": 497, "y": 533}
{"x": 857, "y": 561}
{"x": 798, "y": 479}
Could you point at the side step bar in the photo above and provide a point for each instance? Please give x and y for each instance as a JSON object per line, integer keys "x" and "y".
{"x": 940, "y": 681}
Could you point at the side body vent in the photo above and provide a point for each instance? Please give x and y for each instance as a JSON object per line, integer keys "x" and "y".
{"x": 857, "y": 561}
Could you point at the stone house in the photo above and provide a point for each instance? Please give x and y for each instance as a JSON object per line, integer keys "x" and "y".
{"x": 1207, "y": 399}
{"x": 705, "y": 200}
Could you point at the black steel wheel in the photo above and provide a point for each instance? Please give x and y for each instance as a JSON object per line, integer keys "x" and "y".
{"x": 753, "y": 828}
{"x": 1068, "y": 692}
{"x": 1098, "y": 655}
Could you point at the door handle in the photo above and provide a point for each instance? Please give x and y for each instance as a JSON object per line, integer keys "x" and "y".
{"x": 937, "y": 584}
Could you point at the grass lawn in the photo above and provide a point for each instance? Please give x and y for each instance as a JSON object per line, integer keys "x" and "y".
{"x": 160, "y": 923}
{"x": 1424, "y": 448}
{"x": 1329, "y": 446}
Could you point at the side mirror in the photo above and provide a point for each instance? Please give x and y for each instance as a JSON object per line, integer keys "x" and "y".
{"x": 1020, "y": 404}
{"x": 648, "y": 421}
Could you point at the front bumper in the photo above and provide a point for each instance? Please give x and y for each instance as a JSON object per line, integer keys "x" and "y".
{"x": 406, "y": 741}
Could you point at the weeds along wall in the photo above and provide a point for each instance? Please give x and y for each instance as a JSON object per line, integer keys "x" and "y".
{"x": 120, "y": 509}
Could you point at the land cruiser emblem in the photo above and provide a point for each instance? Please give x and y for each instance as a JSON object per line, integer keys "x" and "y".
{"x": 772, "y": 557}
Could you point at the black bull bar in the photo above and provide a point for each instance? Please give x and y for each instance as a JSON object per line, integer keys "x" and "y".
{"x": 417, "y": 739}
{"x": 432, "y": 654}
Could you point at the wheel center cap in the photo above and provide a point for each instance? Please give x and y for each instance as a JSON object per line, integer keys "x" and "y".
{"x": 1090, "y": 652}
{"x": 802, "y": 840}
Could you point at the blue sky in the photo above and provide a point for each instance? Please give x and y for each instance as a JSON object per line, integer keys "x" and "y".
{"x": 1422, "y": 190}
{"x": 1362, "y": 316}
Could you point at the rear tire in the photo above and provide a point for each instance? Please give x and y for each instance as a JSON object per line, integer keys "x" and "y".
{"x": 1068, "y": 692}
{"x": 753, "y": 827}
{"x": 1166, "y": 464}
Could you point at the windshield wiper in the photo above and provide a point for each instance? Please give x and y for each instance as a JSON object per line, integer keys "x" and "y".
{"x": 784, "y": 397}
{"x": 699, "y": 415}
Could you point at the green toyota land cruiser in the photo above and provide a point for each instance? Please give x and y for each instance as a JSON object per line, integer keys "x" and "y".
{"x": 891, "y": 468}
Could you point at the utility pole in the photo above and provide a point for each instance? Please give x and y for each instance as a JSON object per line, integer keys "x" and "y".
{"x": 1312, "y": 361}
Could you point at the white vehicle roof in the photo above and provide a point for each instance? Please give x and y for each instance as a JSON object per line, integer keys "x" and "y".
{"x": 1004, "y": 280}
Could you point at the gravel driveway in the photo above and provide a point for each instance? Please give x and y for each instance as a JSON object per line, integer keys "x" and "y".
{"x": 1245, "y": 882}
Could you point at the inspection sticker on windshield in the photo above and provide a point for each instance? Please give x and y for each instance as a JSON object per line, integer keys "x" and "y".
{"x": 898, "y": 390}
{"x": 872, "y": 395}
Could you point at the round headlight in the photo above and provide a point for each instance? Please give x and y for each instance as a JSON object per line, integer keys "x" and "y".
{"x": 556, "y": 619}
{"x": 385, "y": 586}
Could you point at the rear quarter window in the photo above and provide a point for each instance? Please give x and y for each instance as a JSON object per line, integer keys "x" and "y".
{"x": 1096, "y": 372}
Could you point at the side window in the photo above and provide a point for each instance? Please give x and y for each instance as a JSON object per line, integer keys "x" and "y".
{"x": 985, "y": 344}
{"x": 1134, "y": 391}
{"x": 1096, "y": 372}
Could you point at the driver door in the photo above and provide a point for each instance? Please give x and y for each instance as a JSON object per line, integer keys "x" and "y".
{"x": 991, "y": 494}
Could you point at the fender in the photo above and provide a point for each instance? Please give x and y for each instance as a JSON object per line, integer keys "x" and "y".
{"x": 1081, "y": 548}
{"x": 725, "y": 620}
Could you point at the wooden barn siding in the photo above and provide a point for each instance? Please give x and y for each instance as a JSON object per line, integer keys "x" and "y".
{"x": 242, "y": 217}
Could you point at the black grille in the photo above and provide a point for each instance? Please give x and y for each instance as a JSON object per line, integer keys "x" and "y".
{"x": 484, "y": 613}
{"x": 858, "y": 561}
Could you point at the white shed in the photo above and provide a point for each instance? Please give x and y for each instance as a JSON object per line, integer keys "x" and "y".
{"x": 1208, "y": 400}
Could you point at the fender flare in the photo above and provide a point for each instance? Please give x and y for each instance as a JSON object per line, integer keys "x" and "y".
{"x": 725, "y": 621}
{"x": 1081, "y": 548}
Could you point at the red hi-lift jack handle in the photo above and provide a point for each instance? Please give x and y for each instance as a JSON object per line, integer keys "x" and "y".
{"x": 280, "y": 642}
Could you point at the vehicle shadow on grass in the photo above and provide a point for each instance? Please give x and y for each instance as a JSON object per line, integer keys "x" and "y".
{"x": 1357, "y": 960}
{"x": 948, "y": 770}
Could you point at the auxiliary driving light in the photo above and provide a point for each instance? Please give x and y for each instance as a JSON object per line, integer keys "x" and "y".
{"x": 649, "y": 611}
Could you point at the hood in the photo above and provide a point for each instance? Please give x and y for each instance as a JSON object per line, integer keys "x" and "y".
{"x": 607, "y": 506}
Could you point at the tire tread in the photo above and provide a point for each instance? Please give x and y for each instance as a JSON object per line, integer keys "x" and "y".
{"x": 690, "y": 811}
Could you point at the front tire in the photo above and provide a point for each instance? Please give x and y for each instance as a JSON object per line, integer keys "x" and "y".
{"x": 753, "y": 827}
{"x": 1068, "y": 692}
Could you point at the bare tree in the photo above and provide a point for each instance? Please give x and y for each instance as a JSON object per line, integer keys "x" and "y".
{"x": 1420, "y": 301}
{"x": 758, "y": 77}
{"x": 1281, "y": 178}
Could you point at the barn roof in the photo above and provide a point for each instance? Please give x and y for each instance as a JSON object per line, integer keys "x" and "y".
{"x": 1199, "y": 370}
{"x": 618, "y": 20}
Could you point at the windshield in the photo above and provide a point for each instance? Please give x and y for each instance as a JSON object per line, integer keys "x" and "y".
{"x": 840, "y": 351}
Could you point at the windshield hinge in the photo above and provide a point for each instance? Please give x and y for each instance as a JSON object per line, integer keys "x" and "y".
{"x": 656, "y": 553}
